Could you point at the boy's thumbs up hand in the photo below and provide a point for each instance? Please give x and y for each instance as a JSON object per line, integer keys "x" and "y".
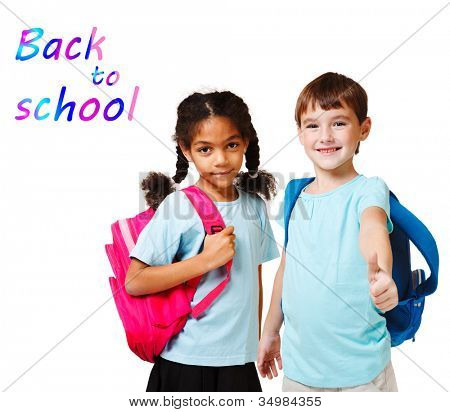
{"x": 373, "y": 268}
{"x": 383, "y": 289}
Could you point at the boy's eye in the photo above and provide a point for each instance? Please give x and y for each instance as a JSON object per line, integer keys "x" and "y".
{"x": 311, "y": 126}
{"x": 338, "y": 123}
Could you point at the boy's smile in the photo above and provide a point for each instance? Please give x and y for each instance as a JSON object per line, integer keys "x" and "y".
{"x": 330, "y": 137}
{"x": 327, "y": 151}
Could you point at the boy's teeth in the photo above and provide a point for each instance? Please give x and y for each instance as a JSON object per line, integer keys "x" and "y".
{"x": 327, "y": 150}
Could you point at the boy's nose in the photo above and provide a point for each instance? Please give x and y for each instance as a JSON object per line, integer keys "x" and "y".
{"x": 327, "y": 135}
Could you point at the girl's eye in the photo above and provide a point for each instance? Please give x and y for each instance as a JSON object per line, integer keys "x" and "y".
{"x": 233, "y": 145}
{"x": 339, "y": 124}
{"x": 312, "y": 126}
{"x": 204, "y": 150}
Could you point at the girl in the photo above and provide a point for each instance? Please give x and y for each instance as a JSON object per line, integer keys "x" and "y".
{"x": 215, "y": 352}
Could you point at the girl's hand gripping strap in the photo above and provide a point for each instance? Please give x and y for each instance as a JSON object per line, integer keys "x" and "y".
{"x": 213, "y": 223}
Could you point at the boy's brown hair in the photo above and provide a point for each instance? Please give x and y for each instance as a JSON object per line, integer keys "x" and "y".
{"x": 329, "y": 91}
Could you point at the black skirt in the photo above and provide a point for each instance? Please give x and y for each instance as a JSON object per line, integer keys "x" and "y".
{"x": 168, "y": 376}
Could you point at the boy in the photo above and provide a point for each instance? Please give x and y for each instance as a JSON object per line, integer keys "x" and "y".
{"x": 335, "y": 276}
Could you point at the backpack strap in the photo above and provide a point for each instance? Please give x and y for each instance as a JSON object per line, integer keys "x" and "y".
{"x": 422, "y": 239}
{"x": 291, "y": 195}
{"x": 213, "y": 223}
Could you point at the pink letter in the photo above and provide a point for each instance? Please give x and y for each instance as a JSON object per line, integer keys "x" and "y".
{"x": 69, "y": 47}
{"x": 133, "y": 103}
{"x": 94, "y": 45}
{"x": 94, "y": 113}
{"x": 109, "y": 77}
{"x": 23, "y": 109}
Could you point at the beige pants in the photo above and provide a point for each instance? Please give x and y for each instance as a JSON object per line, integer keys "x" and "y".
{"x": 384, "y": 382}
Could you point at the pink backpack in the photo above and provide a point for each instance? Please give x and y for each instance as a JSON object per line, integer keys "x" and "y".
{"x": 150, "y": 321}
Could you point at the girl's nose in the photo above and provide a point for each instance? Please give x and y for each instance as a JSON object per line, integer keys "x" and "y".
{"x": 220, "y": 158}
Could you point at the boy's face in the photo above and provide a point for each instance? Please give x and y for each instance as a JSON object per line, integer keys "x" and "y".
{"x": 330, "y": 137}
{"x": 217, "y": 150}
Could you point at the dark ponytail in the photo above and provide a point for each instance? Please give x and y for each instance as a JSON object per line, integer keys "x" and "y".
{"x": 255, "y": 181}
{"x": 264, "y": 184}
{"x": 156, "y": 187}
{"x": 182, "y": 166}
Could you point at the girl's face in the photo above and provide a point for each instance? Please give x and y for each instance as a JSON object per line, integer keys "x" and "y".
{"x": 330, "y": 137}
{"x": 217, "y": 151}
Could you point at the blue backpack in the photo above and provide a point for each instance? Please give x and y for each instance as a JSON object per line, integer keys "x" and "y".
{"x": 404, "y": 320}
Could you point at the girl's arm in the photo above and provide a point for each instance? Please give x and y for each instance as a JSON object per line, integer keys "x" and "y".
{"x": 142, "y": 279}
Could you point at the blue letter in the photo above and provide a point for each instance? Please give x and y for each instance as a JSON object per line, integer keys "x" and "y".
{"x": 60, "y": 109}
{"x": 54, "y": 52}
{"x": 119, "y": 112}
{"x": 95, "y": 74}
{"x": 36, "y": 111}
{"x": 27, "y": 43}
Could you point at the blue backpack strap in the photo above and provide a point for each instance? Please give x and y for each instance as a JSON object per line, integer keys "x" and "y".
{"x": 422, "y": 239}
{"x": 291, "y": 195}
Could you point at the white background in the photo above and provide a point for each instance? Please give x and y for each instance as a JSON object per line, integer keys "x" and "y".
{"x": 63, "y": 184}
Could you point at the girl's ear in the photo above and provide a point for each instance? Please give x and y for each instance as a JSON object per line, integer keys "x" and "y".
{"x": 246, "y": 144}
{"x": 365, "y": 128}
{"x": 186, "y": 152}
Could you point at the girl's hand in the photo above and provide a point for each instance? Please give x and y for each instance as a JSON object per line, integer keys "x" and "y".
{"x": 268, "y": 352}
{"x": 219, "y": 248}
{"x": 383, "y": 289}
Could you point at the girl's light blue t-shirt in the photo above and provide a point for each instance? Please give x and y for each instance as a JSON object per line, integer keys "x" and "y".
{"x": 334, "y": 335}
{"x": 227, "y": 333}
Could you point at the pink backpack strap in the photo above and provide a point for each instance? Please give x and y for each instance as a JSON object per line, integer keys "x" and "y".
{"x": 213, "y": 223}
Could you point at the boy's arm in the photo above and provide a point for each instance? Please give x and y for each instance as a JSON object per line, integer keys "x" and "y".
{"x": 270, "y": 343}
{"x": 376, "y": 250}
{"x": 374, "y": 238}
{"x": 274, "y": 318}
{"x": 260, "y": 308}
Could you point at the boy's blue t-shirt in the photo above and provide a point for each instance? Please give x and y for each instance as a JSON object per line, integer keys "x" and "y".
{"x": 334, "y": 335}
{"x": 227, "y": 333}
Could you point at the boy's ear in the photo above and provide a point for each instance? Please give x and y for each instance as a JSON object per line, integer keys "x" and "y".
{"x": 186, "y": 152}
{"x": 365, "y": 128}
{"x": 300, "y": 134}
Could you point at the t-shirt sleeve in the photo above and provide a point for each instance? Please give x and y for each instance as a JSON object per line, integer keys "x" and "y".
{"x": 160, "y": 239}
{"x": 269, "y": 249}
{"x": 375, "y": 193}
